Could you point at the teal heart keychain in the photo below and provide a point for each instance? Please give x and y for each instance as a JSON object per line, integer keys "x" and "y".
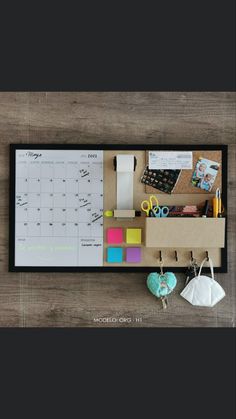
{"x": 161, "y": 284}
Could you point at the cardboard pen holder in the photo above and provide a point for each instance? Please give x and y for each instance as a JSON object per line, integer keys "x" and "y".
{"x": 185, "y": 232}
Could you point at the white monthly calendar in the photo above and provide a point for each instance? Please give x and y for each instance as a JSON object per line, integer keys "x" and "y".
{"x": 58, "y": 208}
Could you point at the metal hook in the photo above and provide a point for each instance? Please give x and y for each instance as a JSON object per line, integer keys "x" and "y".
{"x": 191, "y": 253}
{"x": 176, "y": 256}
{"x": 161, "y": 268}
{"x": 207, "y": 256}
{"x": 160, "y": 256}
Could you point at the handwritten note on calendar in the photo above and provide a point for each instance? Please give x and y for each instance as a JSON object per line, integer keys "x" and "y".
{"x": 59, "y": 208}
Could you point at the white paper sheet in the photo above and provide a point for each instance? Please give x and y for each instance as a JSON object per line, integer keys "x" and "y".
{"x": 125, "y": 177}
{"x": 59, "y": 208}
{"x": 170, "y": 160}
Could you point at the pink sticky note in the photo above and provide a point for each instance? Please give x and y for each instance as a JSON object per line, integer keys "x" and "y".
{"x": 114, "y": 235}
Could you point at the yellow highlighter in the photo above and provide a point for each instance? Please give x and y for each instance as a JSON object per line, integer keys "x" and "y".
{"x": 216, "y": 203}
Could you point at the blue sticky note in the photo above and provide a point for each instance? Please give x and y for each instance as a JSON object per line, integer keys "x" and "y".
{"x": 114, "y": 254}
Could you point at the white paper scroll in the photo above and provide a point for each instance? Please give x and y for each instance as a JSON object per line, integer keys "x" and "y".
{"x": 125, "y": 177}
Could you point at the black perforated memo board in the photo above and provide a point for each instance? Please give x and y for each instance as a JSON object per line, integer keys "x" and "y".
{"x": 62, "y": 189}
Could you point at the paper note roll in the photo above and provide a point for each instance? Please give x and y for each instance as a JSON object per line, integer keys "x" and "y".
{"x": 125, "y": 177}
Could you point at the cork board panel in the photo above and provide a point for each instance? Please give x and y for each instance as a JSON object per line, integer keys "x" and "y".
{"x": 184, "y": 186}
{"x": 150, "y": 256}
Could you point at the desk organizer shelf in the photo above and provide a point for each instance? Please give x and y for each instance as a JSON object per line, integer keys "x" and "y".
{"x": 185, "y": 232}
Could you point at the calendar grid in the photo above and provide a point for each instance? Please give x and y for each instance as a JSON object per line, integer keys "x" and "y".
{"x": 64, "y": 201}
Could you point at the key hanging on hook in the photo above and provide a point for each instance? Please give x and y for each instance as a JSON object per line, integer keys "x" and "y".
{"x": 164, "y": 302}
{"x": 163, "y": 284}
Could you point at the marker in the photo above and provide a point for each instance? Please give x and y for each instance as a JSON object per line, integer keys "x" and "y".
{"x": 215, "y": 202}
{"x": 205, "y": 209}
{"x": 219, "y": 202}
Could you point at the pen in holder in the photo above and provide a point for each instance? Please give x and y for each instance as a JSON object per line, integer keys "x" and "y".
{"x": 216, "y": 201}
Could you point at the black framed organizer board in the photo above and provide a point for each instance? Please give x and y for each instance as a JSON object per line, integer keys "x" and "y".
{"x": 79, "y": 207}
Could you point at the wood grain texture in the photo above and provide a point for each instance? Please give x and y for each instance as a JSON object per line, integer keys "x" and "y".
{"x": 56, "y": 300}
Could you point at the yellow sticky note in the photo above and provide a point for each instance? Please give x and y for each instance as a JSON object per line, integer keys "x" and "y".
{"x": 133, "y": 235}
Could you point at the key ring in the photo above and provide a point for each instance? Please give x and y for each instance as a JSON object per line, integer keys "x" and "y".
{"x": 161, "y": 267}
{"x": 193, "y": 261}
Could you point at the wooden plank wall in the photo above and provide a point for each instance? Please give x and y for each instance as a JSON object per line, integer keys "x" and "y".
{"x": 44, "y": 299}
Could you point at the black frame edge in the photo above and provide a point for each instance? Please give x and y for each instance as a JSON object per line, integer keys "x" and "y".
{"x": 12, "y": 268}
